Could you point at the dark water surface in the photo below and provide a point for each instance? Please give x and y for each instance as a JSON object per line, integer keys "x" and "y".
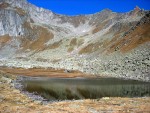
{"x": 82, "y": 88}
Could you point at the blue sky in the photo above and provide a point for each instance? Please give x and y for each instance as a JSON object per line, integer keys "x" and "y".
{"x": 77, "y": 7}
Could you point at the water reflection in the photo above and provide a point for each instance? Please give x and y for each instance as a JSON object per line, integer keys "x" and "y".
{"x": 81, "y": 88}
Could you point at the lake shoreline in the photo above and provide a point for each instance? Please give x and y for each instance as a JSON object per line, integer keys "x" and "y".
{"x": 49, "y": 72}
{"x": 12, "y": 100}
{"x": 48, "y": 89}
{"x": 59, "y": 73}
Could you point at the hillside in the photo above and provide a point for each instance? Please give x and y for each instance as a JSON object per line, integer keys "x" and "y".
{"x": 103, "y": 44}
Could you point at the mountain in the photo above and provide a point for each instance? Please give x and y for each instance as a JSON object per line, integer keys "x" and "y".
{"x": 103, "y": 44}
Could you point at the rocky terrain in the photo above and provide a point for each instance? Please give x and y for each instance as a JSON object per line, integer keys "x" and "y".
{"x": 38, "y": 42}
{"x": 14, "y": 101}
{"x": 102, "y": 44}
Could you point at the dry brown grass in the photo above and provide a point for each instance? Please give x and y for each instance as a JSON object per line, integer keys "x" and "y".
{"x": 25, "y": 43}
{"x": 31, "y": 20}
{"x": 99, "y": 27}
{"x": 70, "y": 49}
{"x": 55, "y": 60}
{"x": 140, "y": 36}
{"x": 80, "y": 42}
{"x": 41, "y": 60}
{"x": 117, "y": 35}
{"x": 92, "y": 47}
{"x": 4, "y": 5}
{"x": 43, "y": 35}
{"x": 73, "y": 42}
{"x": 107, "y": 43}
{"x": 42, "y": 72}
{"x": 4, "y": 39}
{"x": 77, "y": 20}
{"x": 20, "y": 11}
{"x": 87, "y": 49}
{"x": 137, "y": 37}
{"x": 54, "y": 45}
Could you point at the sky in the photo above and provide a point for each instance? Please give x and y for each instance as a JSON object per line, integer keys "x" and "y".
{"x": 78, "y": 7}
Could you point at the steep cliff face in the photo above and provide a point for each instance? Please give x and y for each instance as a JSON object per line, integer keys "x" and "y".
{"x": 98, "y": 43}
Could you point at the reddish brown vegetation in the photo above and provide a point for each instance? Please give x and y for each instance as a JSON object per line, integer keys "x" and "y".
{"x": 80, "y": 42}
{"x": 20, "y": 11}
{"x": 4, "y": 5}
{"x": 56, "y": 60}
{"x": 92, "y": 47}
{"x": 4, "y": 39}
{"x": 55, "y": 45}
{"x": 77, "y": 20}
{"x": 70, "y": 49}
{"x": 73, "y": 42}
{"x": 134, "y": 39}
{"x": 41, "y": 60}
{"x": 43, "y": 36}
{"x": 99, "y": 27}
{"x": 43, "y": 72}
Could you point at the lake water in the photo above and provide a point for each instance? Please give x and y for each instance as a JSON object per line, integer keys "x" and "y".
{"x": 83, "y": 88}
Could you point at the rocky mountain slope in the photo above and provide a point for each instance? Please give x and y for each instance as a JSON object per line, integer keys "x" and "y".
{"x": 104, "y": 43}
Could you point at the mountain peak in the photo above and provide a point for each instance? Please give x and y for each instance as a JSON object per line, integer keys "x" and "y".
{"x": 137, "y": 8}
{"x": 106, "y": 10}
